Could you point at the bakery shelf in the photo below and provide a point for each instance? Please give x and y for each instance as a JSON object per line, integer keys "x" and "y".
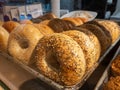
{"x": 105, "y": 76}
{"x": 97, "y": 74}
{"x": 33, "y": 71}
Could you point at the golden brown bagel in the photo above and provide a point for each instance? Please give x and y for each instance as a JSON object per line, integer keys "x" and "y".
{"x": 26, "y": 22}
{"x": 112, "y": 27}
{"x": 105, "y": 41}
{"x": 76, "y": 21}
{"x": 10, "y": 25}
{"x": 22, "y": 42}
{"x": 4, "y": 35}
{"x": 112, "y": 84}
{"x": 86, "y": 44}
{"x": 115, "y": 66}
{"x": 94, "y": 40}
{"x": 44, "y": 29}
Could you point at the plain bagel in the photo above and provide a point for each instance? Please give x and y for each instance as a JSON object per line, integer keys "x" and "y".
{"x": 4, "y": 35}
{"x": 22, "y": 41}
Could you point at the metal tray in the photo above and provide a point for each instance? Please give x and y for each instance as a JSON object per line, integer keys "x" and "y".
{"x": 106, "y": 75}
{"x": 34, "y": 71}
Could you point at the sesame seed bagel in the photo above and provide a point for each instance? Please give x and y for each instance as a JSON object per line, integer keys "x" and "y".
{"x": 105, "y": 42}
{"x": 86, "y": 44}
{"x": 107, "y": 33}
{"x": 60, "y": 58}
{"x": 4, "y": 35}
{"x": 112, "y": 27}
{"x": 94, "y": 40}
{"x": 22, "y": 41}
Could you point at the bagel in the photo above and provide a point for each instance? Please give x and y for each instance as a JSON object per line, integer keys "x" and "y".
{"x": 86, "y": 44}
{"x": 22, "y": 41}
{"x": 44, "y": 29}
{"x": 84, "y": 20}
{"x": 69, "y": 25}
{"x": 79, "y": 20}
{"x": 107, "y": 33}
{"x": 58, "y": 25}
{"x": 45, "y": 22}
{"x": 112, "y": 84}
{"x": 94, "y": 40}
{"x": 4, "y": 35}
{"x": 76, "y": 21}
{"x": 112, "y": 27}
{"x": 26, "y": 22}
{"x": 115, "y": 66}
{"x": 60, "y": 58}
{"x": 10, "y": 25}
{"x": 47, "y": 16}
{"x": 1, "y": 23}
{"x": 105, "y": 42}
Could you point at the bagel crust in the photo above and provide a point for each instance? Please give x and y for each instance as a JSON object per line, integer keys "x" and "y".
{"x": 112, "y": 84}
{"x": 112, "y": 27}
{"x": 44, "y": 29}
{"x": 103, "y": 39}
{"x": 10, "y": 25}
{"x": 22, "y": 41}
{"x": 94, "y": 40}
{"x": 60, "y": 58}
{"x": 4, "y": 35}
{"x": 86, "y": 44}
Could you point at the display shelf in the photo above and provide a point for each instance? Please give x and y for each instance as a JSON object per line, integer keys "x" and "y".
{"x": 31, "y": 71}
{"x": 92, "y": 81}
{"x": 105, "y": 76}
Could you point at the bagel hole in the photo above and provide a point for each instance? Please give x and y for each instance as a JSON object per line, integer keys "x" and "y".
{"x": 52, "y": 60}
{"x": 24, "y": 43}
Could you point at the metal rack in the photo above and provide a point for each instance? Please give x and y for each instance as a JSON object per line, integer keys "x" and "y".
{"x": 20, "y": 74}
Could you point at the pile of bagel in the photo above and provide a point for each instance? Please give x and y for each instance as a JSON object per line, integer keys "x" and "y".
{"x": 62, "y": 49}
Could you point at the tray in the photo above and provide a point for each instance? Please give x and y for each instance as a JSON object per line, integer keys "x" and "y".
{"x": 34, "y": 71}
{"x": 105, "y": 77}
{"x": 90, "y": 15}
